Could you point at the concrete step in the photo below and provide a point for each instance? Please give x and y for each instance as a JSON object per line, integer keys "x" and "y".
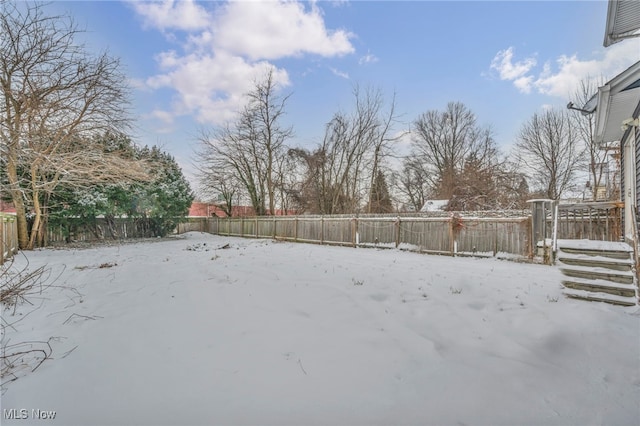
{"x": 596, "y": 273}
{"x": 612, "y": 254}
{"x": 600, "y": 297}
{"x": 597, "y": 262}
{"x": 601, "y": 286}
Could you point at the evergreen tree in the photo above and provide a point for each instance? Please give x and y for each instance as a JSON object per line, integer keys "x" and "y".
{"x": 379, "y": 199}
{"x": 157, "y": 205}
{"x": 166, "y": 200}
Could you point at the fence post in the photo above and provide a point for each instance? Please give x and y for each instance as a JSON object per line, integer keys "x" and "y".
{"x": 295, "y": 229}
{"x": 2, "y": 240}
{"x": 354, "y": 231}
{"x": 397, "y": 231}
{"x": 274, "y": 226}
{"x": 451, "y": 237}
{"x": 321, "y": 229}
{"x": 14, "y": 231}
{"x": 257, "y": 236}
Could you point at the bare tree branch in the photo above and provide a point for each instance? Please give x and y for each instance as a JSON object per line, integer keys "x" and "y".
{"x": 54, "y": 94}
{"x": 552, "y": 153}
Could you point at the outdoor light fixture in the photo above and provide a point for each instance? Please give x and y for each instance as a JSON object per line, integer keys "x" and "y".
{"x": 570, "y": 105}
{"x": 630, "y": 122}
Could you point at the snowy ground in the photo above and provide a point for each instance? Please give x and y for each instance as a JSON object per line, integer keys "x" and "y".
{"x": 185, "y": 332}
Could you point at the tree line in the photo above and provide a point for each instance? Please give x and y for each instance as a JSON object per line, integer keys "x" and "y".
{"x": 357, "y": 167}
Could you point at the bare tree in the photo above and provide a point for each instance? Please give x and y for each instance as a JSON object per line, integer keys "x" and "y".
{"x": 597, "y": 155}
{"x": 306, "y": 192}
{"x": 550, "y": 151}
{"x": 252, "y": 145}
{"x": 444, "y": 140}
{"x": 412, "y": 183}
{"x": 54, "y": 95}
{"x": 218, "y": 182}
{"x": 341, "y": 172}
{"x": 288, "y": 177}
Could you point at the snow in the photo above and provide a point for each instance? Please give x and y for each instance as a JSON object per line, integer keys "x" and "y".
{"x": 185, "y": 332}
{"x": 595, "y": 245}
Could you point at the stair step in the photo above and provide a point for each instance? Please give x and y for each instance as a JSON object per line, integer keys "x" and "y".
{"x": 601, "y": 286}
{"x": 615, "y": 246}
{"x": 599, "y": 261}
{"x": 612, "y": 254}
{"x": 600, "y": 297}
{"x": 598, "y": 274}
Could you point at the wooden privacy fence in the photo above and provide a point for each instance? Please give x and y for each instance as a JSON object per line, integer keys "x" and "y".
{"x": 442, "y": 235}
{"x": 8, "y": 237}
{"x": 99, "y": 229}
{"x": 193, "y": 225}
{"x": 480, "y": 233}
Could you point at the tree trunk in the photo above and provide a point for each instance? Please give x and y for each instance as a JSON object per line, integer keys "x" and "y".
{"x": 35, "y": 229}
{"x": 18, "y": 203}
{"x": 21, "y": 219}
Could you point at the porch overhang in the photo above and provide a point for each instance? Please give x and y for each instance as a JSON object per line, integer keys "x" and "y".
{"x": 623, "y": 21}
{"x": 616, "y": 103}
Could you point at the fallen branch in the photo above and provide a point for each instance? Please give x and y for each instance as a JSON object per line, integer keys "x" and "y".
{"x": 68, "y": 352}
{"x": 301, "y": 367}
{"x": 80, "y": 316}
{"x": 14, "y": 354}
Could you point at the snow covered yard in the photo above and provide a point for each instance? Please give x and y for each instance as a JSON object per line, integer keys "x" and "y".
{"x": 186, "y": 332}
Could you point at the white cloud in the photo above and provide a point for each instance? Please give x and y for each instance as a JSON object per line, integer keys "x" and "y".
{"x": 164, "y": 116}
{"x": 339, "y": 73}
{"x": 223, "y": 56}
{"x": 213, "y": 86}
{"x": 172, "y": 14}
{"x": 507, "y": 69}
{"x": 570, "y": 70}
{"x": 271, "y": 30}
{"x": 562, "y": 76}
{"x": 369, "y": 58}
{"x": 523, "y": 84}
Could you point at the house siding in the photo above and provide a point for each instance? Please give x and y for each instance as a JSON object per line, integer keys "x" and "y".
{"x": 631, "y": 137}
{"x": 635, "y": 135}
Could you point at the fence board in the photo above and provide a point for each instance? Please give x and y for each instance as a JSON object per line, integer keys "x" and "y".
{"x": 8, "y": 237}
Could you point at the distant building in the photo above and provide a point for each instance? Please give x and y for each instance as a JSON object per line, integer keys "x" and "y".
{"x": 7, "y": 208}
{"x": 199, "y": 209}
{"x": 434, "y": 205}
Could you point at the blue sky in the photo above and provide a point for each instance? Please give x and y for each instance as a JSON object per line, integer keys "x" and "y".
{"x": 190, "y": 62}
